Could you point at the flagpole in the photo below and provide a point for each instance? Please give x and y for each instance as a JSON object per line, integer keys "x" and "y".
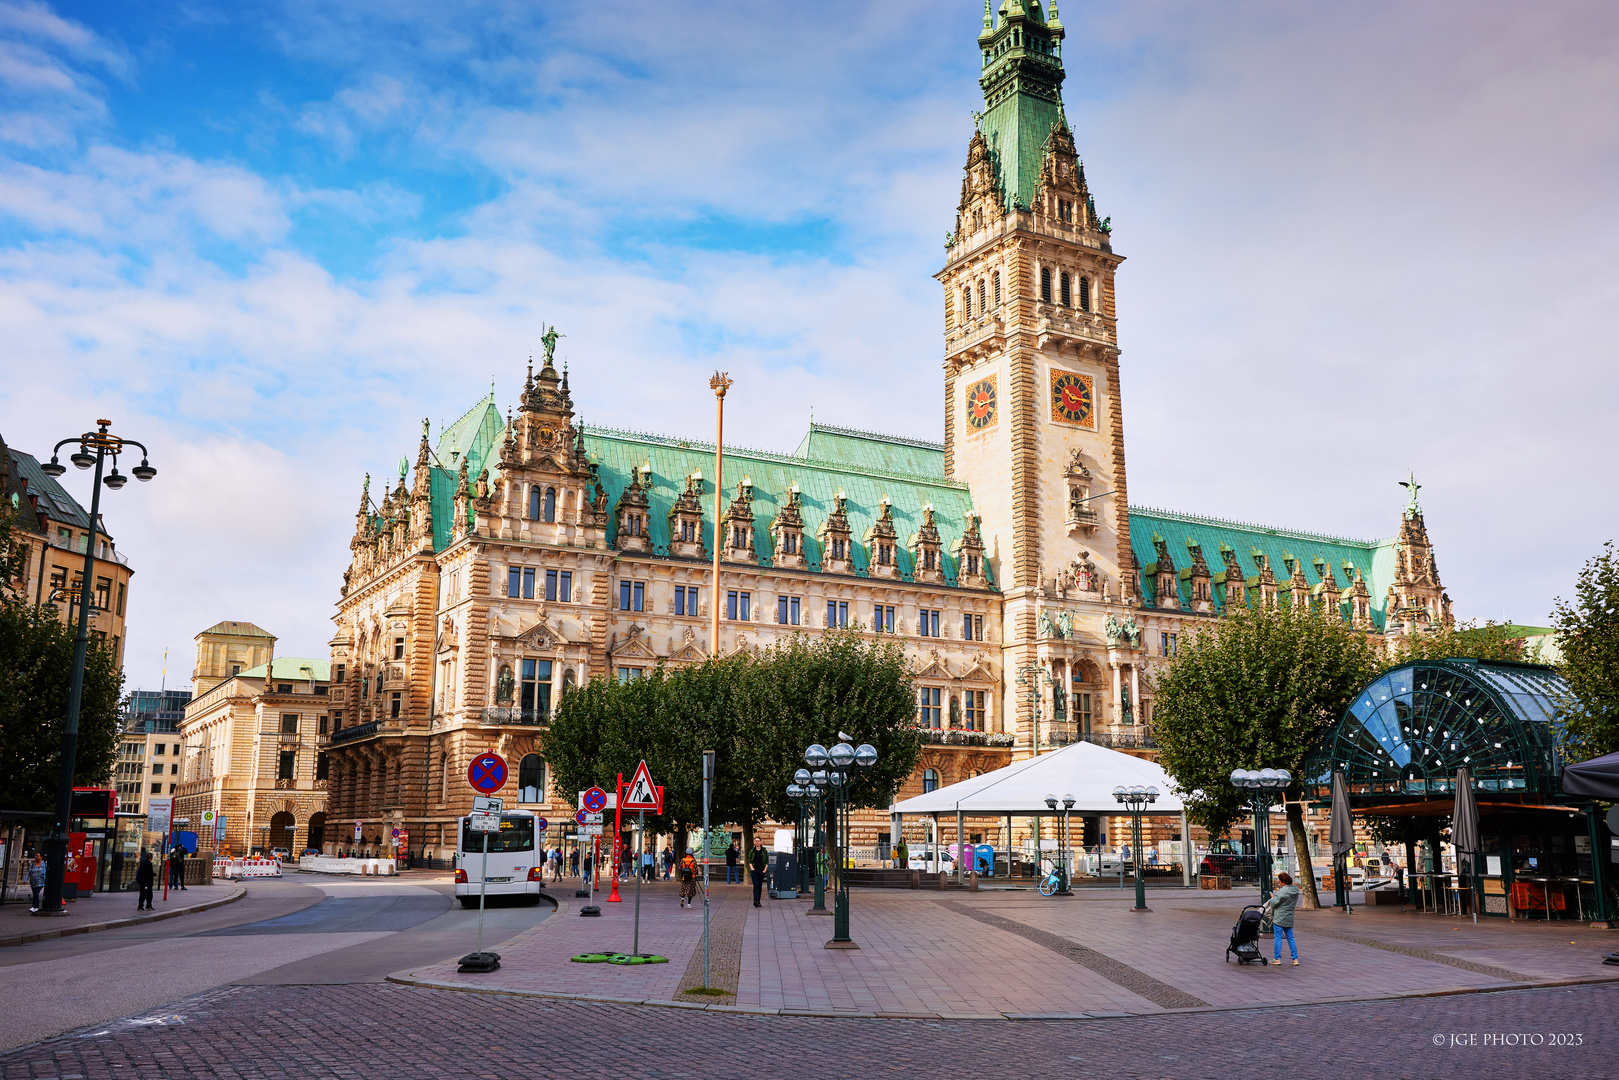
{"x": 720, "y": 383}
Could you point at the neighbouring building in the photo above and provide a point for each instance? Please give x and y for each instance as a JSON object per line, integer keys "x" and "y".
{"x": 149, "y": 747}
{"x": 251, "y": 739}
{"x": 529, "y": 552}
{"x": 54, "y": 530}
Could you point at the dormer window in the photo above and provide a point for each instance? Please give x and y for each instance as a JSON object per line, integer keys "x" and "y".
{"x": 838, "y": 551}
{"x": 1065, "y": 210}
{"x": 688, "y": 532}
{"x": 739, "y": 536}
{"x": 972, "y": 564}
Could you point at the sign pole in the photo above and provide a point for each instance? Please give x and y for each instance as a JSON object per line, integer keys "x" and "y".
{"x": 483, "y": 888}
{"x": 708, "y": 788}
{"x": 635, "y": 947}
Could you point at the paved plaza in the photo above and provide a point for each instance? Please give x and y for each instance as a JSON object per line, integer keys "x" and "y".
{"x": 1014, "y": 954}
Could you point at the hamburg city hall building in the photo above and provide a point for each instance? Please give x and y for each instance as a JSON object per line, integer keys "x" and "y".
{"x": 526, "y": 552}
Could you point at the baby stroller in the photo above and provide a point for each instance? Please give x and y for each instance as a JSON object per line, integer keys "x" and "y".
{"x": 1245, "y": 936}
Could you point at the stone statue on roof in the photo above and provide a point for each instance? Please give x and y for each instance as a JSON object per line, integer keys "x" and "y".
{"x": 1412, "y": 508}
{"x": 549, "y": 340}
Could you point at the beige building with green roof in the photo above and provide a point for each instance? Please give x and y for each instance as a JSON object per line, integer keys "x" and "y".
{"x": 250, "y": 742}
{"x": 529, "y": 552}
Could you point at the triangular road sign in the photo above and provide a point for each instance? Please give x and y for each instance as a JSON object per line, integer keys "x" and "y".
{"x": 641, "y": 793}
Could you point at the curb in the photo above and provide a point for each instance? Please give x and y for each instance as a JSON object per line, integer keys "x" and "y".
{"x": 406, "y": 979}
{"x": 114, "y": 924}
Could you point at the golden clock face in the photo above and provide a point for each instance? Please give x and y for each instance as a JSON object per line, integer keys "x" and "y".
{"x": 981, "y": 404}
{"x": 1072, "y": 399}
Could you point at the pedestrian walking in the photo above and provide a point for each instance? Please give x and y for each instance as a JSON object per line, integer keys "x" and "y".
{"x": 732, "y": 871}
{"x": 145, "y": 876}
{"x": 585, "y": 881}
{"x": 647, "y": 858}
{"x": 1280, "y": 907}
{"x": 688, "y": 880}
{"x": 668, "y": 861}
{"x": 757, "y": 862}
{"x": 36, "y": 879}
{"x": 573, "y": 863}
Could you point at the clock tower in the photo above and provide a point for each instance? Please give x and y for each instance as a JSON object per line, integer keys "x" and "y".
{"x": 1031, "y": 367}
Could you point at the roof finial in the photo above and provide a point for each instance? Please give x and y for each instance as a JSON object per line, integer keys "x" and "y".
{"x": 1412, "y": 507}
{"x": 989, "y": 17}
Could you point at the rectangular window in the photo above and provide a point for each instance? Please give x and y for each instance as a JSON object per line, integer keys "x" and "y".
{"x": 972, "y": 628}
{"x": 565, "y": 587}
{"x": 536, "y": 688}
{"x": 882, "y": 618}
{"x": 174, "y": 770}
{"x": 837, "y": 613}
{"x": 120, "y": 598}
{"x": 284, "y": 769}
{"x": 738, "y": 605}
{"x": 550, "y": 584}
{"x": 514, "y": 581}
{"x": 157, "y": 748}
{"x": 342, "y": 671}
{"x": 283, "y": 688}
{"x": 157, "y": 769}
{"x": 1082, "y": 712}
{"x": 1166, "y": 644}
{"x": 789, "y": 610}
{"x": 320, "y": 691}
{"x": 157, "y": 789}
{"x": 686, "y": 600}
{"x": 528, "y": 583}
{"x": 927, "y": 623}
{"x": 928, "y": 702}
{"x": 396, "y": 704}
{"x": 103, "y": 593}
{"x": 630, "y": 674}
{"x": 337, "y": 719}
{"x": 322, "y": 728}
{"x": 322, "y": 767}
{"x": 289, "y": 723}
{"x": 631, "y": 596}
{"x": 974, "y": 715}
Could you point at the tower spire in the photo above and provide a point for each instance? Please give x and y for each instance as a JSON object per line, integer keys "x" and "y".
{"x": 1022, "y": 83}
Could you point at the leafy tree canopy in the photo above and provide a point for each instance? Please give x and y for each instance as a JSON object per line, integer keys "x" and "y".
{"x": 1588, "y": 638}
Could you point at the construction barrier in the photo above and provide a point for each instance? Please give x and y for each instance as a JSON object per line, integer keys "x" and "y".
{"x": 247, "y": 868}
{"x": 326, "y": 864}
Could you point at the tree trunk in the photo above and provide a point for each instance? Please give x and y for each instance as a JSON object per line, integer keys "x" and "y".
{"x": 1310, "y": 900}
{"x": 747, "y": 840}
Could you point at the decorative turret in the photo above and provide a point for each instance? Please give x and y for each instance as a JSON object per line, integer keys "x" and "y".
{"x": 1236, "y": 582}
{"x": 927, "y": 563}
{"x": 686, "y": 520}
{"x": 1202, "y": 581}
{"x": 1166, "y": 580}
{"x": 837, "y": 553}
{"x": 631, "y": 513}
{"x": 969, "y": 553}
{"x": 882, "y": 543}
{"x": 787, "y": 533}
{"x": 738, "y": 525}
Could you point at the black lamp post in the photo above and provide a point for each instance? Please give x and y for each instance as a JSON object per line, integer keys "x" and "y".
{"x": 1063, "y": 839}
{"x": 837, "y": 770}
{"x": 796, "y": 792}
{"x": 95, "y": 447}
{"x": 1263, "y": 786}
{"x": 1136, "y": 798}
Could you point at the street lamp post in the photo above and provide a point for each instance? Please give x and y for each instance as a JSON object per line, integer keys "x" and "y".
{"x": 796, "y": 792}
{"x": 1064, "y": 840}
{"x": 95, "y": 447}
{"x": 1029, "y": 676}
{"x": 1135, "y": 799}
{"x": 837, "y": 771}
{"x": 1263, "y": 786}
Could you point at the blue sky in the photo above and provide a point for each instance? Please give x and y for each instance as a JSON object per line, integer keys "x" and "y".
{"x": 269, "y": 238}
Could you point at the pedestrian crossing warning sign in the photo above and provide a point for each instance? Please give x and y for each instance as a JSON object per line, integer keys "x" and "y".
{"x": 640, "y": 793}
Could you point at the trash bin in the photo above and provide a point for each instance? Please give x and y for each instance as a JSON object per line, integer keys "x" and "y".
{"x": 782, "y": 876}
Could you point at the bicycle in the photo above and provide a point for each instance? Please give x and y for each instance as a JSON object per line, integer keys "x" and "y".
{"x": 1054, "y": 882}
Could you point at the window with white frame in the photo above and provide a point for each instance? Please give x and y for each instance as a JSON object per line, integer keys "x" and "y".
{"x": 973, "y": 710}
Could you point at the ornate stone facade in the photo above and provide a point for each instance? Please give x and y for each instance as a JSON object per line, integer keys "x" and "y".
{"x": 530, "y": 552}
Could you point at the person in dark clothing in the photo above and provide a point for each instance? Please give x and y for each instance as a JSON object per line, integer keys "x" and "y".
{"x": 177, "y": 867}
{"x": 145, "y": 876}
{"x": 757, "y": 862}
{"x": 732, "y": 871}
{"x": 573, "y": 863}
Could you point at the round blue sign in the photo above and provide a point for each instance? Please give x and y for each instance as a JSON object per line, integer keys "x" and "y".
{"x": 487, "y": 773}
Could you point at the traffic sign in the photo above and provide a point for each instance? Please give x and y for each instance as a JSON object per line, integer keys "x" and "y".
{"x": 357, "y": 832}
{"x": 590, "y": 830}
{"x": 483, "y": 804}
{"x": 542, "y": 824}
{"x": 487, "y": 773}
{"x": 595, "y": 800}
{"x": 585, "y": 817}
{"x": 642, "y": 794}
{"x": 484, "y": 822}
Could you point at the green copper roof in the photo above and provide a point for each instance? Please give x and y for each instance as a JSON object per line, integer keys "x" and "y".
{"x": 475, "y": 437}
{"x": 887, "y": 453}
{"x": 1022, "y": 83}
{"x": 818, "y": 480}
{"x": 1373, "y": 558}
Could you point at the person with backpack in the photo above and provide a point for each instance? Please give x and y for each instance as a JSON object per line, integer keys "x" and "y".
{"x": 688, "y": 880}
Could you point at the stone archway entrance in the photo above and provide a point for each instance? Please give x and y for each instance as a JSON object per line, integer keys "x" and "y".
{"x": 283, "y": 827}
{"x": 317, "y": 830}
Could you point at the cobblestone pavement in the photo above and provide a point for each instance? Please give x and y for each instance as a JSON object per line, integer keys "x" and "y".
{"x": 404, "y": 1033}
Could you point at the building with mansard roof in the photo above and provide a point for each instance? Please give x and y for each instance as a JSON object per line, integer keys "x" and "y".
{"x": 528, "y": 552}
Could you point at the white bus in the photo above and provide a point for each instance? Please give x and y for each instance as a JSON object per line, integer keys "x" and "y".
{"x": 516, "y": 865}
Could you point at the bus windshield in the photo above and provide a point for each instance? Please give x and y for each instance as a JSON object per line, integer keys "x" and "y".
{"x": 516, "y": 834}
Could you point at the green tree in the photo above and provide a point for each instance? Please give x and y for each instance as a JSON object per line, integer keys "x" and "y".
{"x": 36, "y": 666}
{"x": 1255, "y": 690}
{"x": 1588, "y": 639}
{"x": 1490, "y": 641}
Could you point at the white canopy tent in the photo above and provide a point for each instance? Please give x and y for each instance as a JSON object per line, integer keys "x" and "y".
{"x": 1084, "y": 770}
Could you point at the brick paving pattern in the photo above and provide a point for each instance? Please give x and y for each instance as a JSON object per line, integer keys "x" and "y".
{"x": 727, "y": 920}
{"x": 1426, "y": 954}
{"x": 371, "y": 1030}
{"x": 1113, "y": 971}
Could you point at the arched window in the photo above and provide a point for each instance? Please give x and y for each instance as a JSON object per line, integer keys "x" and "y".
{"x": 1067, "y": 299}
{"x": 1084, "y": 294}
{"x": 531, "y": 779}
{"x": 996, "y": 278}
{"x": 534, "y": 503}
{"x": 1045, "y": 284}
{"x": 550, "y": 504}
{"x": 930, "y": 780}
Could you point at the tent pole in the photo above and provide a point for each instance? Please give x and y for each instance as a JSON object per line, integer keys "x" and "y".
{"x": 1186, "y": 852}
{"x": 961, "y": 840}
